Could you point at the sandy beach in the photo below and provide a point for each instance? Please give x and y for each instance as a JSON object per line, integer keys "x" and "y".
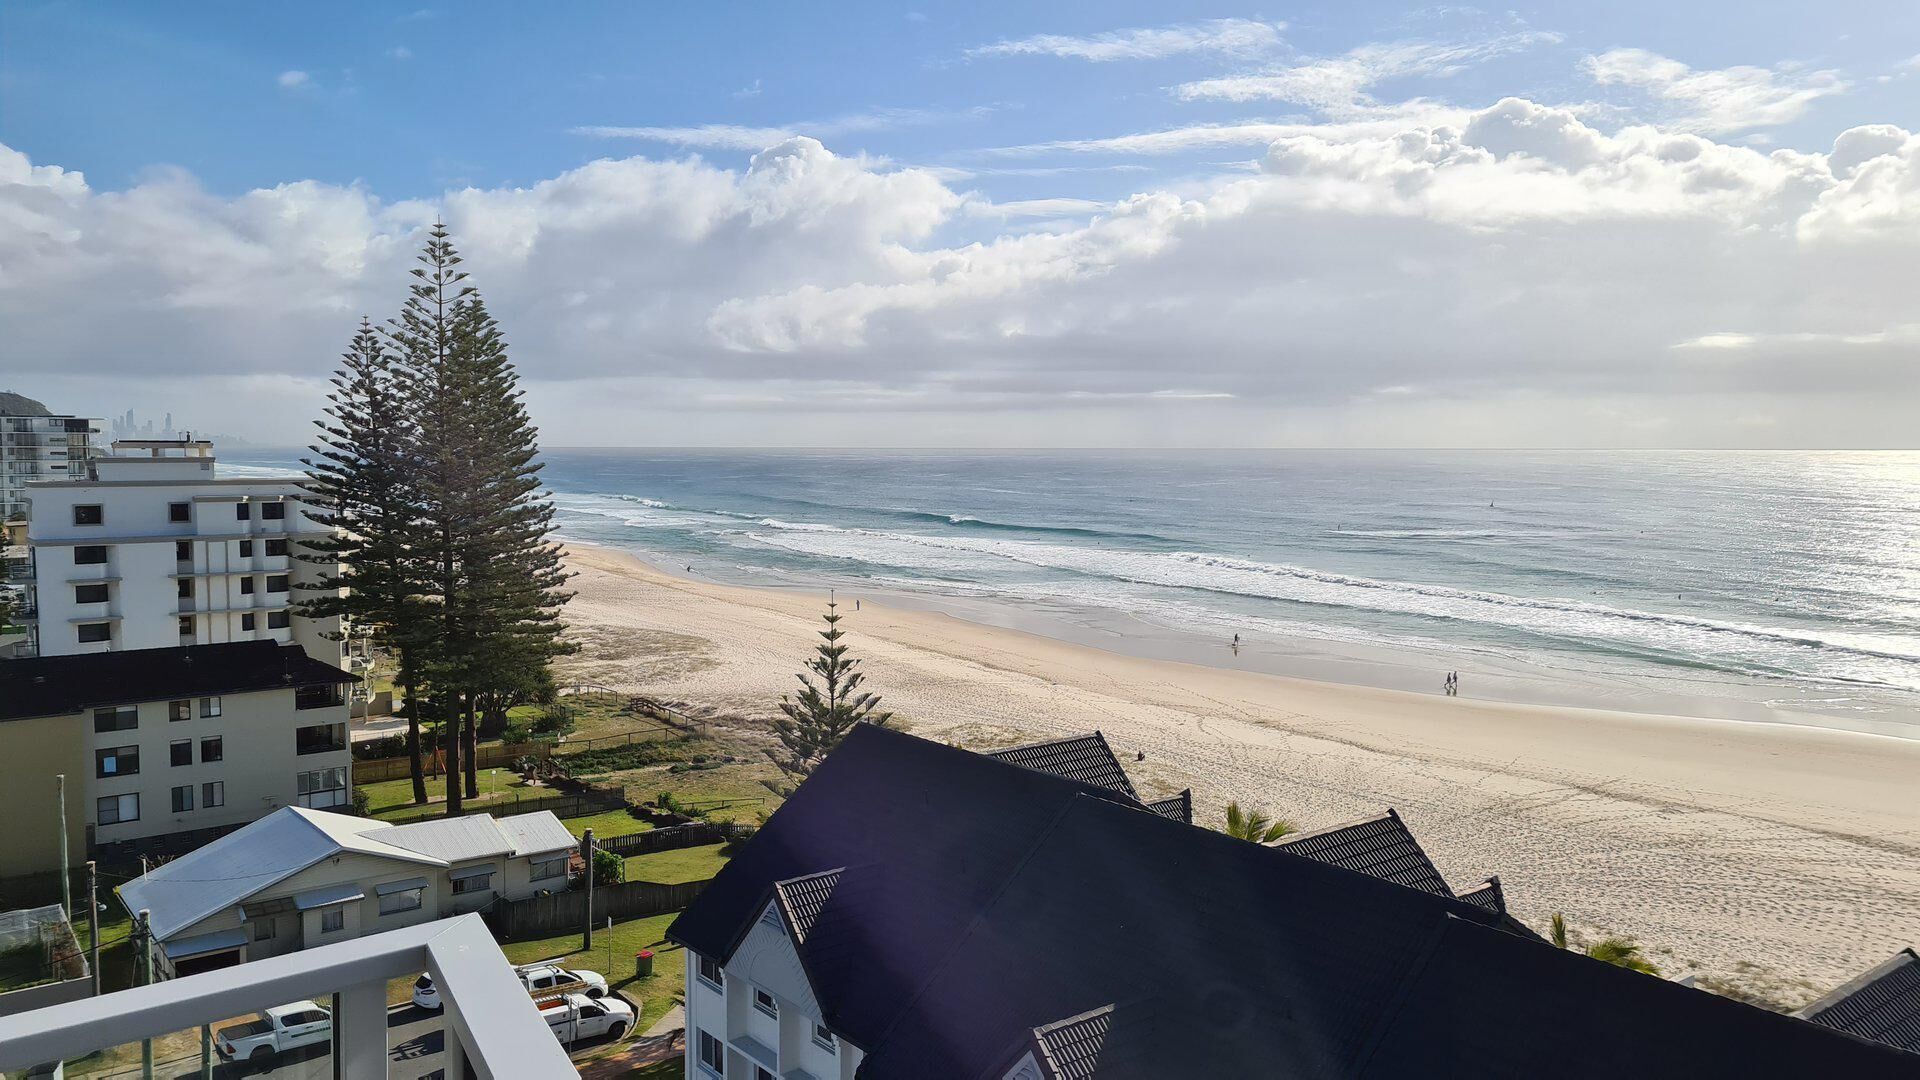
{"x": 1769, "y": 859}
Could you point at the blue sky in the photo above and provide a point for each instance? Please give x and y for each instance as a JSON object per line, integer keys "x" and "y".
{"x": 989, "y": 222}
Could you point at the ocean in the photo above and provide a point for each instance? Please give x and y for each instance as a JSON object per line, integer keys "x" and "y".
{"x": 1777, "y": 586}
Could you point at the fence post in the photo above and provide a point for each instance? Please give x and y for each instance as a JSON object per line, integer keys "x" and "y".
{"x": 586, "y": 846}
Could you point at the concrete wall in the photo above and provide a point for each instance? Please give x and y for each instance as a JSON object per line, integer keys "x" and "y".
{"x": 37, "y": 750}
{"x": 260, "y": 767}
{"x": 764, "y": 960}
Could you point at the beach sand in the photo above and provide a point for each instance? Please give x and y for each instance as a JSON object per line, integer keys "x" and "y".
{"x": 1772, "y": 860}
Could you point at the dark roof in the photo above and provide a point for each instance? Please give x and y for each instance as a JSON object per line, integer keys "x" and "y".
{"x": 1175, "y": 808}
{"x": 57, "y": 685}
{"x": 1086, "y": 758}
{"x": 804, "y": 898}
{"x": 980, "y": 902}
{"x": 1487, "y": 895}
{"x": 1378, "y": 846}
{"x": 1883, "y": 1004}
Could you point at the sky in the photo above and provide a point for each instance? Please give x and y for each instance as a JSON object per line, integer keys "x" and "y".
{"x": 986, "y": 224}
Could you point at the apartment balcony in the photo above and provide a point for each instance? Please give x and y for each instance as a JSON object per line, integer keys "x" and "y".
{"x": 490, "y": 1027}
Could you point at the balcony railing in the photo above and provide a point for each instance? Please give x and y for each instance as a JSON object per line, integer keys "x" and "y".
{"x": 491, "y": 1027}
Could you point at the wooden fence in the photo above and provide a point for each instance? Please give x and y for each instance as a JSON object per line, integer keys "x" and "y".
{"x": 673, "y": 837}
{"x": 488, "y": 757}
{"x": 557, "y": 913}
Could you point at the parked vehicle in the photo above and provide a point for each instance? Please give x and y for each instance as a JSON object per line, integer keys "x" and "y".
{"x": 574, "y": 1017}
{"x": 425, "y": 994}
{"x": 274, "y": 1032}
{"x": 548, "y": 978}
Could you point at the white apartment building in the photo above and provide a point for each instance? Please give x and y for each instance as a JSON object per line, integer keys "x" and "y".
{"x": 154, "y": 742}
{"x": 158, "y": 550}
{"x": 40, "y": 448}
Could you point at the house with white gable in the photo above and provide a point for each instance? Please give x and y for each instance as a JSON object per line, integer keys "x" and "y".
{"x": 298, "y": 878}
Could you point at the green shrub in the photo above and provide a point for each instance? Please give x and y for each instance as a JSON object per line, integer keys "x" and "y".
{"x": 608, "y": 868}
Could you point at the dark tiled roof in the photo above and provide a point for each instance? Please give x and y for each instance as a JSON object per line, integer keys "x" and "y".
{"x": 1071, "y": 1048}
{"x": 1377, "y": 846}
{"x": 1177, "y": 808}
{"x": 1883, "y": 1004}
{"x": 804, "y": 898}
{"x": 1086, "y": 758}
{"x": 1487, "y": 895}
{"x": 56, "y": 685}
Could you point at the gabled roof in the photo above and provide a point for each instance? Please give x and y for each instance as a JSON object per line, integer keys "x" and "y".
{"x": 1176, "y": 807}
{"x": 803, "y": 898}
{"x": 1883, "y": 1004}
{"x": 1487, "y": 894}
{"x": 1378, "y": 846}
{"x": 453, "y": 839}
{"x": 537, "y": 833}
{"x": 57, "y": 685}
{"x": 979, "y": 902}
{"x": 1070, "y": 1049}
{"x": 1086, "y": 758}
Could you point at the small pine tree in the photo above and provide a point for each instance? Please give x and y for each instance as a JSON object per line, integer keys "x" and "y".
{"x": 827, "y": 710}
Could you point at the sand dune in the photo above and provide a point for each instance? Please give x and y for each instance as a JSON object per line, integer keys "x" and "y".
{"x": 1774, "y": 859}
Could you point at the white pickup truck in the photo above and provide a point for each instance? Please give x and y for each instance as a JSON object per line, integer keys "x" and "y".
{"x": 546, "y": 978}
{"x": 275, "y": 1031}
{"x": 576, "y": 1016}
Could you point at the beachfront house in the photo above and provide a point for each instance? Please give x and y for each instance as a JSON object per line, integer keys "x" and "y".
{"x": 156, "y": 549}
{"x": 917, "y": 910}
{"x": 156, "y": 743}
{"x": 299, "y": 878}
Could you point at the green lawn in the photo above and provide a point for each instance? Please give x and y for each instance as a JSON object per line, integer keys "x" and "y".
{"x": 394, "y": 798}
{"x": 677, "y": 866}
{"x": 612, "y": 956}
{"x": 609, "y": 824}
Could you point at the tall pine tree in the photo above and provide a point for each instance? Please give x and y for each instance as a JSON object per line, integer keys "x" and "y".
{"x": 827, "y": 710}
{"x": 360, "y": 486}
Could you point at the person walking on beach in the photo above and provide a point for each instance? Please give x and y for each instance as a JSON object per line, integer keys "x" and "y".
{"x": 1236, "y": 641}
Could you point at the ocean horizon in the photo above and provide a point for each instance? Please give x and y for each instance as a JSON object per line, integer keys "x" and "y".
{"x": 1756, "y": 585}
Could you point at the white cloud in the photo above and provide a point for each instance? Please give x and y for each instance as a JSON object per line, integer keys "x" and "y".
{"x": 1527, "y": 274}
{"x": 1718, "y": 101}
{"x": 399, "y": 52}
{"x": 1229, "y": 36}
{"x": 1339, "y": 85}
{"x": 748, "y": 91}
{"x": 294, "y": 80}
{"x": 739, "y": 137}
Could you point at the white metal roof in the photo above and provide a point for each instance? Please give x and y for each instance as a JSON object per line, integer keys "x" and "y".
{"x": 536, "y": 834}
{"x": 452, "y": 839}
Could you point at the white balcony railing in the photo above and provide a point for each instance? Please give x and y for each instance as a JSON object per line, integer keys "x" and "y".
{"x": 491, "y": 1027}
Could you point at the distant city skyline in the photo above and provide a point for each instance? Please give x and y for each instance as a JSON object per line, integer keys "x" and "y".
{"x": 992, "y": 224}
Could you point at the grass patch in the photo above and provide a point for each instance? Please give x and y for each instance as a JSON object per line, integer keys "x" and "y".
{"x": 612, "y": 956}
{"x": 607, "y": 759}
{"x": 679, "y": 865}
{"x": 610, "y": 824}
{"x": 394, "y": 798}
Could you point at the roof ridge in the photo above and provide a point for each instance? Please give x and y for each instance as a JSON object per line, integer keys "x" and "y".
{"x": 1291, "y": 838}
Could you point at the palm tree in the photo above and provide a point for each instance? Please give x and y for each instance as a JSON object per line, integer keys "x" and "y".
{"x": 1255, "y": 826}
{"x": 1618, "y": 951}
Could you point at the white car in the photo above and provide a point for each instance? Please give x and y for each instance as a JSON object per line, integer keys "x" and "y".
{"x": 545, "y": 978}
{"x": 425, "y": 994}
{"x": 573, "y": 1017}
{"x": 275, "y": 1031}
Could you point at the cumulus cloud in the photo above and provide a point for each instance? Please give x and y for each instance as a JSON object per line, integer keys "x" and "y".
{"x": 1507, "y": 270}
{"x": 1226, "y": 36}
{"x": 1716, "y": 101}
{"x": 1339, "y": 85}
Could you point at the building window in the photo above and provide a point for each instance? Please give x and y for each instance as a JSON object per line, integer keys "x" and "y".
{"x": 712, "y": 1054}
{"x": 263, "y": 929}
{"x": 276, "y": 547}
{"x": 762, "y": 1074}
{"x": 394, "y": 903}
{"x": 186, "y": 626}
{"x": 242, "y": 512}
{"x": 246, "y": 585}
{"x": 116, "y": 809}
{"x": 322, "y": 788}
{"x": 318, "y": 697}
{"x": 183, "y": 551}
{"x": 246, "y": 549}
{"x": 278, "y": 620}
{"x": 183, "y": 798}
{"x": 213, "y": 748}
{"x": 320, "y": 739}
{"x": 246, "y": 621}
{"x": 177, "y": 512}
{"x": 116, "y": 761}
{"x": 91, "y": 632}
{"x": 273, "y": 511}
{"x": 277, "y": 583}
{"x": 88, "y": 514}
{"x": 213, "y": 794}
{"x": 180, "y": 753}
{"x": 89, "y": 555}
{"x": 765, "y": 1003}
{"x": 183, "y": 588}
{"x": 123, "y": 718}
{"x": 333, "y": 920}
{"x": 823, "y": 1038}
{"x": 180, "y": 710}
{"x": 89, "y": 594}
{"x": 209, "y": 706}
{"x": 476, "y": 883}
{"x": 552, "y": 867}
{"x": 710, "y": 972}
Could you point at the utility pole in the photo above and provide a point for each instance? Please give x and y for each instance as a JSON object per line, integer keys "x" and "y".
{"x": 93, "y": 923}
{"x": 586, "y": 849}
{"x": 143, "y": 962}
{"x": 66, "y": 869}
